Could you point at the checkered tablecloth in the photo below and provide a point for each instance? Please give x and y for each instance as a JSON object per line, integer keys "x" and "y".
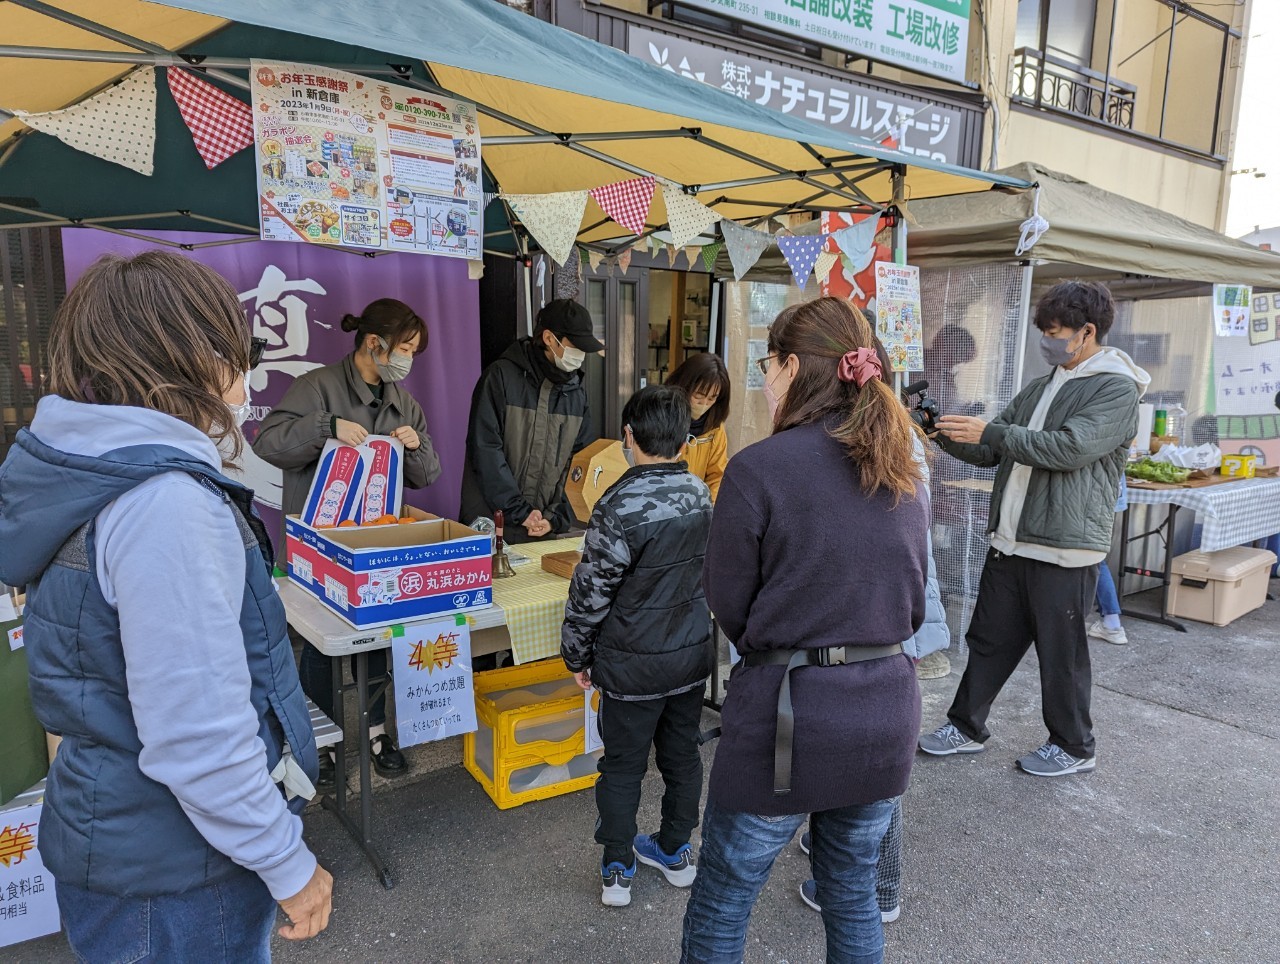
{"x": 1234, "y": 513}
{"x": 533, "y": 602}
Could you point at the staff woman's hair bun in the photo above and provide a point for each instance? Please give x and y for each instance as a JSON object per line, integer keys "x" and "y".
{"x": 350, "y": 322}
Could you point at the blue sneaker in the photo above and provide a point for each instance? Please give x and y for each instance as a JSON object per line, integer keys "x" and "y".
{"x": 678, "y": 868}
{"x": 616, "y": 890}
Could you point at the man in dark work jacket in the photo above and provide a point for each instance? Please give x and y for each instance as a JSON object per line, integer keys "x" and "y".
{"x": 528, "y": 419}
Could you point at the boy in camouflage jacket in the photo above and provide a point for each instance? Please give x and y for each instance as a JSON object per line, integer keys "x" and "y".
{"x": 637, "y": 627}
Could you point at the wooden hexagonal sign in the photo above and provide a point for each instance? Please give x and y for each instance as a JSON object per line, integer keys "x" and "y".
{"x": 591, "y": 473}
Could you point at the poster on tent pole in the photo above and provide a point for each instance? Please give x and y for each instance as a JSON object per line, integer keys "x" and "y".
{"x": 898, "y": 322}
{"x": 1231, "y": 304}
{"x": 351, "y": 161}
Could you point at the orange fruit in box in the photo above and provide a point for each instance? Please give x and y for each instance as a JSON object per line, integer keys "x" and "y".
{"x": 346, "y": 523}
{"x": 383, "y": 520}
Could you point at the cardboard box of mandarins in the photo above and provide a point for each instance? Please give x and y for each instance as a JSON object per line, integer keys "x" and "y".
{"x": 377, "y": 575}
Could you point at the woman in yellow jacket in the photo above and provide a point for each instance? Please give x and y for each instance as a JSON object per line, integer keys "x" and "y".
{"x": 705, "y": 380}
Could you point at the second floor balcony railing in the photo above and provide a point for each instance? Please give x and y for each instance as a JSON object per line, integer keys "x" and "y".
{"x": 1051, "y": 83}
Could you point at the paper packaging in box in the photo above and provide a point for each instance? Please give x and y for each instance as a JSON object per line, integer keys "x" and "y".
{"x": 337, "y": 486}
{"x": 385, "y": 485}
{"x": 357, "y": 482}
{"x": 379, "y": 575}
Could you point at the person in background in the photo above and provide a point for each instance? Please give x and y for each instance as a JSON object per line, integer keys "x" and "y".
{"x": 950, "y": 348}
{"x": 816, "y": 571}
{"x": 704, "y": 378}
{"x": 1060, "y": 448}
{"x": 637, "y": 627}
{"x": 932, "y": 639}
{"x": 528, "y": 420}
{"x": 154, "y": 634}
{"x": 349, "y": 401}
{"x": 1107, "y": 626}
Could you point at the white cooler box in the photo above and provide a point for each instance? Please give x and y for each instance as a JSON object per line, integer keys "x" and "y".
{"x": 1220, "y": 587}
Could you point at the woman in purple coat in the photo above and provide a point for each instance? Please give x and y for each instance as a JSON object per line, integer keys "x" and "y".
{"x": 816, "y": 570}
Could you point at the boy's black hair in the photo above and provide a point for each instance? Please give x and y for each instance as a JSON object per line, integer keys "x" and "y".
{"x": 1074, "y": 304}
{"x": 659, "y": 419}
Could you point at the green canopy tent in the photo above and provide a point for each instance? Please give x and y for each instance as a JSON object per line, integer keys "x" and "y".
{"x": 560, "y": 113}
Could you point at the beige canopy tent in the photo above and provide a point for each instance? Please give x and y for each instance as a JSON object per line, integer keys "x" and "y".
{"x": 559, "y": 112}
{"x": 1140, "y": 251}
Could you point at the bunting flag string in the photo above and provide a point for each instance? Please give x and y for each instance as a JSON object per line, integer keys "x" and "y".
{"x": 672, "y": 253}
{"x": 624, "y": 259}
{"x": 744, "y": 245}
{"x": 801, "y": 252}
{"x": 220, "y": 125}
{"x": 489, "y": 198}
{"x": 857, "y": 240}
{"x": 687, "y": 217}
{"x": 709, "y": 254}
{"x": 627, "y": 202}
{"x": 694, "y": 253}
{"x": 552, "y": 219}
{"x": 595, "y": 259}
{"x": 822, "y": 267}
{"x": 117, "y": 124}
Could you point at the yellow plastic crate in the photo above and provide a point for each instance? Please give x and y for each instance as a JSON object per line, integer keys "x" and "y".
{"x": 529, "y": 743}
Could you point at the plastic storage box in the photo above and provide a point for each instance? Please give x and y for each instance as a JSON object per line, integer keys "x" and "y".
{"x": 529, "y": 743}
{"x": 1220, "y": 587}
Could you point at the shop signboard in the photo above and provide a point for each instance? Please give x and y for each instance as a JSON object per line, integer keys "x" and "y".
{"x": 911, "y": 125}
{"x": 434, "y": 686}
{"x": 346, "y": 160}
{"x": 924, "y": 36}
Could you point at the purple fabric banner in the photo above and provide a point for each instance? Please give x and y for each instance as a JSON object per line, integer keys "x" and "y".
{"x": 295, "y": 295}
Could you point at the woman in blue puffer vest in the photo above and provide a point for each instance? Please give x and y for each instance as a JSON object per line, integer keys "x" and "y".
{"x": 155, "y": 637}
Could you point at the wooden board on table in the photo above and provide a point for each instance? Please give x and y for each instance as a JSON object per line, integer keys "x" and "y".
{"x": 1195, "y": 482}
{"x": 561, "y": 563}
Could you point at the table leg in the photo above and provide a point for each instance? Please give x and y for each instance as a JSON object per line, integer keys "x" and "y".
{"x": 362, "y": 832}
{"x": 1165, "y": 577}
{"x": 340, "y": 751}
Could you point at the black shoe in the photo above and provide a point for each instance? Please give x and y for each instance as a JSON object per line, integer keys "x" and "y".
{"x": 327, "y": 782}
{"x": 388, "y": 761}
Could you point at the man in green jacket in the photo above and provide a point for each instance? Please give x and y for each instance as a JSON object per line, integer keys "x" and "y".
{"x": 1059, "y": 449}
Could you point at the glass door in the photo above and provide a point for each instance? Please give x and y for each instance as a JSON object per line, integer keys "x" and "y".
{"x": 616, "y": 304}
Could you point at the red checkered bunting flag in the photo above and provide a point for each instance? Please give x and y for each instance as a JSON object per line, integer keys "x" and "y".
{"x": 627, "y": 202}
{"x": 220, "y": 124}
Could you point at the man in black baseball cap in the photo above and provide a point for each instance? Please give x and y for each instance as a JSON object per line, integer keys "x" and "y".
{"x": 528, "y": 420}
{"x": 569, "y": 320}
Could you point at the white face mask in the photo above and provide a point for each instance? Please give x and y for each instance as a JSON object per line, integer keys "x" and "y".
{"x": 397, "y": 366}
{"x": 571, "y": 358}
{"x": 239, "y": 413}
{"x": 628, "y": 452}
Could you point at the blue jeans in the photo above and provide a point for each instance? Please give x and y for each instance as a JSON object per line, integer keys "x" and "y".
{"x": 1108, "y": 598}
{"x": 228, "y": 922}
{"x": 738, "y": 850}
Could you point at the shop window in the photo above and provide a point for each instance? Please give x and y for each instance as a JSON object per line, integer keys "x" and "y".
{"x": 1152, "y": 67}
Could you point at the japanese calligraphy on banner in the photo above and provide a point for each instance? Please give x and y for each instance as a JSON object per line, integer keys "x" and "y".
{"x": 28, "y": 902}
{"x": 1231, "y": 305}
{"x": 924, "y": 36}
{"x": 435, "y": 695}
{"x": 898, "y": 322}
{"x": 920, "y": 128}
{"x": 345, "y": 160}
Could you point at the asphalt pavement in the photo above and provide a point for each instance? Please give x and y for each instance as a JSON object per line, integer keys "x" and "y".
{"x": 1169, "y": 851}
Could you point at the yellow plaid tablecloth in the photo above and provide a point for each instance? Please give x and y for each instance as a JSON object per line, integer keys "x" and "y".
{"x": 533, "y": 602}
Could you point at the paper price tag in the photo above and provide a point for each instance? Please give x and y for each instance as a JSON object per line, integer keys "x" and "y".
{"x": 15, "y": 638}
